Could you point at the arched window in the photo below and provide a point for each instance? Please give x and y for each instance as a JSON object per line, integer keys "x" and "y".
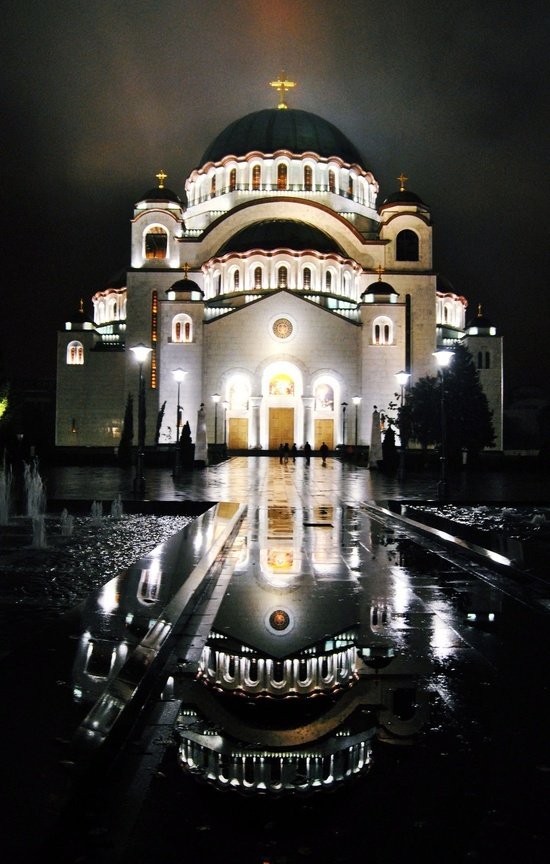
{"x": 331, "y": 182}
{"x": 236, "y": 280}
{"x": 156, "y": 242}
{"x": 256, "y": 177}
{"x": 232, "y": 179}
{"x": 382, "y": 331}
{"x": 307, "y": 278}
{"x": 328, "y": 281}
{"x": 487, "y": 360}
{"x": 257, "y": 277}
{"x": 351, "y": 186}
{"x": 213, "y": 185}
{"x": 75, "y": 354}
{"x": 282, "y": 277}
{"x": 217, "y": 284}
{"x": 406, "y": 246}
{"x": 182, "y": 328}
{"x": 308, "y": 178}
{"x": 281, "y": 176}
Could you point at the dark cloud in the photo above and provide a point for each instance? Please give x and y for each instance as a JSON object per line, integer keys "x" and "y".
{"x": 98, "y": 97}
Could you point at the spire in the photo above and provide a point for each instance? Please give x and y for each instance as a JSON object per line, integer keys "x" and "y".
{"x": 161, "y": 177}
{"x": 402, "y": 180}
{"x": 282, "y": 85}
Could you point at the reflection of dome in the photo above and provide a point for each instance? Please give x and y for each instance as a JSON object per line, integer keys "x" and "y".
{"x": 279, "y": 619}
{"x": 271, "y": 129}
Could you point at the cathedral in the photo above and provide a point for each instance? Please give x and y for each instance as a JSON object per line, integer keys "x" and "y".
{"x": 278, "y": 300}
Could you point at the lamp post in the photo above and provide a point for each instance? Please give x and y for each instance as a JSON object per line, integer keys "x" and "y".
{"x": 443, "y": 358}
{"x": 344, "y": 406}
{"x": 141, "y": 352}
{"x": 215, "y": 399}
{"x": 179, "y": 375}
{"x": 356, "y": 402}
{"x": 402, "y": 379}
{"x": 225, "y": 406}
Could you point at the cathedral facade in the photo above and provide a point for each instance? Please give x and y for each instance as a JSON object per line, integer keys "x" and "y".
{"x": 283, "y": 296}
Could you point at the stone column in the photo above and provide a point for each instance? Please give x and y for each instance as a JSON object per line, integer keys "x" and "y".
{"x": 308, "y": 403}
{"x": 254, "y": 427}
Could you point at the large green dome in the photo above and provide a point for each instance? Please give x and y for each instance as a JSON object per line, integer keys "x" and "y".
{"x": 275, "y": 129}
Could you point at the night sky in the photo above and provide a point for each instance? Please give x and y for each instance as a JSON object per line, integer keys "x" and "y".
{"x": 99, "y": 96}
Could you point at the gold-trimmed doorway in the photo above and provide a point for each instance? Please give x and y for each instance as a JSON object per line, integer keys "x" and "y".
{"x": 281, "y": 427}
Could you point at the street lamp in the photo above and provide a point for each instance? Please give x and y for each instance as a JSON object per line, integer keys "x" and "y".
{"x": 179, "y": 375}
{"x": 356, "y": 402}
{"x": 215, "y": 399}
{"x": 344, "y": 406}
{"x": 225, "y": 406}
{"x": 141, "y": 352}
{"x": 402, "y": 379}
{"x": 443, "y": 358}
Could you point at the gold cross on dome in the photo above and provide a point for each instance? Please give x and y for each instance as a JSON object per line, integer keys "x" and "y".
{"x": 185, "y": 270}
{"x": 161, "y": 177}
{"x": 402, "y": 179}
{"x": 379, "y": 270}
{"x": 282, "y": 85}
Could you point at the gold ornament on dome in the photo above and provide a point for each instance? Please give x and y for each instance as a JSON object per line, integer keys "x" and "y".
{"x": 282, "y": 328}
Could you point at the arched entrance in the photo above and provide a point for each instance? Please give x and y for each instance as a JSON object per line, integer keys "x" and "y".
{"x": 282, "y": 413}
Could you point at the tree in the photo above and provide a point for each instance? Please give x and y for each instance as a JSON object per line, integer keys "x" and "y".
{"x": 469, "y": 425}
{"x": 127, "y": 435}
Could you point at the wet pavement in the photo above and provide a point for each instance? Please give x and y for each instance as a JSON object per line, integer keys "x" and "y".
{"x": 256, "y": 479}
{"x": 462, "y": 771}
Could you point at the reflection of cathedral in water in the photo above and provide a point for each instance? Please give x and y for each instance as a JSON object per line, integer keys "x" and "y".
{"x": 302, "y": 671}
{"x": 306, "y": 661}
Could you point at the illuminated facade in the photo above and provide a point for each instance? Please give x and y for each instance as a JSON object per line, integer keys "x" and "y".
{"x": 281, "y": 286}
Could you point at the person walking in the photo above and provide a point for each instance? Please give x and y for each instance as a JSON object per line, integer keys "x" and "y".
{"x": 294, "y": 452}
{"x": 307, "y": 452}
{"x": 323, "y": 450}
{"x": 286, "y": 451}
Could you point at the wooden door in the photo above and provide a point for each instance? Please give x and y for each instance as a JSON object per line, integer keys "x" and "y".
{"x": 237, "y": 433}
{"x": 324, "y": 431}
{"x": 281, "y": 427}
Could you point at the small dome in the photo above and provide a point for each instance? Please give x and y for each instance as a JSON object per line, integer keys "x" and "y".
{"x": 481, "y": 321}
{"x": 382, "y": 288}
{"x": 161, "y": 194}
{"x": 403, "y": 196}
{"x": 280, "y": 234}
{"x": 443, "y": 285}
{"x": 272, "y": 129}
{"x": 186, "y": 285}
